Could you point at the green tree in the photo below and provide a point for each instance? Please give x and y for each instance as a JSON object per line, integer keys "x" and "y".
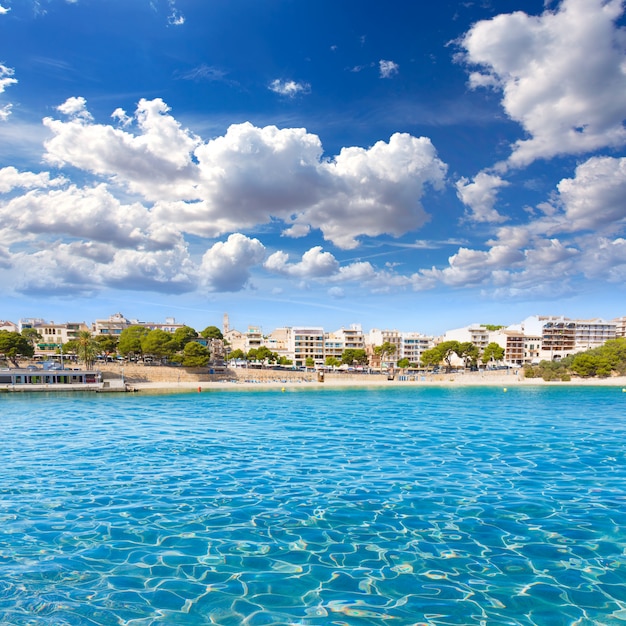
{"x": 614, "y": 351}
{"x": 86, "y": 348}
{"x": 352, "y": 356}
{"x": 32, "y": 335}
{"x": 130, "y": 340}
{"x": 212, "y": 332}
{"x": 159, "y": 344}
{"x": 404, "y": 363}
{"x": 443, "y": 353}
{"x": 69, "y": 347}
{"x": 236, "y": 354}
{"x": 548, "y": 370}
{"x": 585, "y": 364}
{"x": 431, "y": 357}
{"x": 309, "y": 362}
{"x": 107, "y": 344}
{"x": 601, "y": 361}
{"x": 492, "y": 352}
{"x": 447, "y": 349}
{"x": 468, "y": 352}
{"x": 263, "y": 354}
{"x": 184, "y": 335}
{"x": 596, "y": 362}
{"x": 195, "y": 355}
{"x": 14, "y": 345}
{"x": 332, "y": 361}
{"x": 605, "y": 367}
{"x": 386, "y": 350}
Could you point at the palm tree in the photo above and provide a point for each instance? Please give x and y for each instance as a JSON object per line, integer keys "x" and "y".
{"x": 86, "y": 348}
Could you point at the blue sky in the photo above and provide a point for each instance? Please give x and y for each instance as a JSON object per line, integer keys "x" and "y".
{"x": 418, "y": 166}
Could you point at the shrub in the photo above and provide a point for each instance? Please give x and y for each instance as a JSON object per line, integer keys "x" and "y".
{"x": 529, "y": 371}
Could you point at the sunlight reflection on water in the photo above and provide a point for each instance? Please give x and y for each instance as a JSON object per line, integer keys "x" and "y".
{"x": 413, "y": 506}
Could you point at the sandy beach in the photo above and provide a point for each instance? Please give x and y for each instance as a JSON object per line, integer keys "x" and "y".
{"x": 337, "y": 381}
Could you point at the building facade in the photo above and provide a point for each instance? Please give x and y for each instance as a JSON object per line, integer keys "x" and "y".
{"x": 336, "y": 342}
{"x": 620, "y": 326}
{"x": 307, "y": 346}
{"x": 477, "y": 334}
{"x": 112, "y": 326}
{"x": 53, "y": 336}
{"x": 593, "y": 333}
{"x": 413, "y": 345}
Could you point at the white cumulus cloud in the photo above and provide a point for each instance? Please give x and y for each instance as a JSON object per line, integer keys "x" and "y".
{"x": 315, "y": 263}
{"x": 11, "y": 178}
{"x": 152, "y": 183}
{"x": 562, "y": 75}
{"x": 76, "y": 108}
{"x": 250, "y": 175}
{"x": 155, "y": 163}
{"x": 580, "y": 234}
{"x": 480, "y": 196}
{"x": 377, "y": 190}
{"x": 89, "y": 213}
{"x": 226, "y": 265}
{"x": 289, "y": 88}
{"x": 595, "y": 199}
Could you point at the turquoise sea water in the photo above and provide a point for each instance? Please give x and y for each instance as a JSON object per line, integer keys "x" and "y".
{"x": 314, "y": 506}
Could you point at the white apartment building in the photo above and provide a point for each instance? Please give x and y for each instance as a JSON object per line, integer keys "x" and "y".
{"x": 620, "y": 326}
{"x": 532, "y": 349}
{"x": 29, "y": 322}
{"x": 336, "y": 342}
{"x": 413, "y": 345}
{"x": 475, "y": 333}
{"x": 519, "y": 348}
{"x": 170, "y": 325}
{"x": 593, "y": 333}
{"x": 116, "y": 323}
{"x": 113, "y": 325}
{"x": 307, "y": 342}
{"x": 561, "y": 336}
{"x": 333, "y": 346}
{"x": 253, "y": 338}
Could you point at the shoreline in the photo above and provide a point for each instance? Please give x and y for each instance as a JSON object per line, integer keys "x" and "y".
{"x": 166, "y": 380}
{"x": 331, "y": 382}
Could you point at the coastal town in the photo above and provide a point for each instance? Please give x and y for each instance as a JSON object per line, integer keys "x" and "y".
{"x": 535, "y": 339}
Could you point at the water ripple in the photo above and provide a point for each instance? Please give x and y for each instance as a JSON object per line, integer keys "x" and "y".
{"x": 353, "y": 507}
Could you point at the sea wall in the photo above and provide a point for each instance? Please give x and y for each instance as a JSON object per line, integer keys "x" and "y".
{"x": 139, "y": 373}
